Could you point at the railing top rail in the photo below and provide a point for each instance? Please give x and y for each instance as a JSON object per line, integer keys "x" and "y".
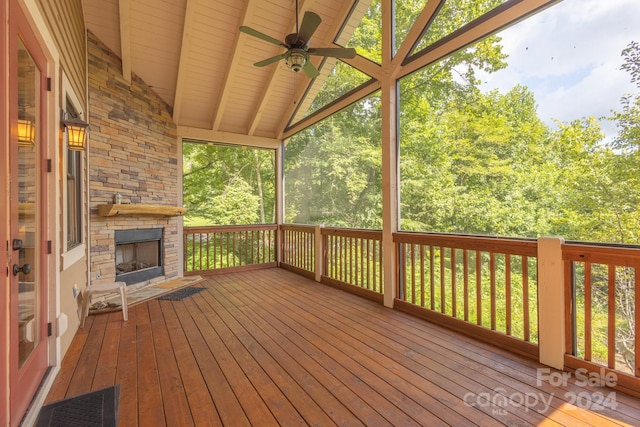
{"x": 627, "y": 256}
{"x": 298, "y": 227}
{"x": 523, "y": 247}
{"x": 229, "y": 228}
{"x": 352, "y": 232}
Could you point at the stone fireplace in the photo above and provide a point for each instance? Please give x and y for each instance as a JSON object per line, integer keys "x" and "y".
{"x": 138, "y": 255}
{"x": 133, "y": 151}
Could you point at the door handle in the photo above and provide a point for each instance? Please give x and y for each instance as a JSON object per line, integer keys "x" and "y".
{"x": 16, "y": 244}
{"x": 25, "y": 269}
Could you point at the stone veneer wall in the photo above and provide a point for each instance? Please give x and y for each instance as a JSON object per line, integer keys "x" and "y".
{"x": 132, "y": 151}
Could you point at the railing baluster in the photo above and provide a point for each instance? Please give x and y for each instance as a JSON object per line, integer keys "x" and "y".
{"x": 368, "y": 260}
{"x": 587, "y": 311}
{"x": 432, "y": 276}
{"x": 611, "y": 327}
{"x": 507, "y": 292}
{"x": 373, "y": 257}
{"x": 412, "y": 249}
{"x": 452, "y": 262}
{"x": 479, "y": 288}
{"x": 361, "y": 280}
{"x": 193, "y": 251}
{"x": 525, "y": 298}
{"x": 465, "y": 284}
{"x": 492, "y": 270}
{"x": 378, "y": 266}
{"x": 443, "y": 297}
{"x": 422, "y": 276}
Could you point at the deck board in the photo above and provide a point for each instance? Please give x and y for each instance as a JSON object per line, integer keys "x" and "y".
{"x": 269, "y": 347}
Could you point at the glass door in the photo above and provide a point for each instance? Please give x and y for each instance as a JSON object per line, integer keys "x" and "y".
{"x": 25, "y": 243}
{"x": 28, "y": 351}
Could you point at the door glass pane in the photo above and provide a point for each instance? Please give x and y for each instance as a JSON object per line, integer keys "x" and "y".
{"x": 28, "y": 142}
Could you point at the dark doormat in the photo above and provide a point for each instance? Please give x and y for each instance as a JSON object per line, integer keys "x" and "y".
{"x": 181, "y": 294}
{"x": 96, "y": 409}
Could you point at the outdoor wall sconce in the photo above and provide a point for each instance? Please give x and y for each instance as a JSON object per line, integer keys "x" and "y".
{"x": 26, "y": 132}
{"x": 76, "y": 133}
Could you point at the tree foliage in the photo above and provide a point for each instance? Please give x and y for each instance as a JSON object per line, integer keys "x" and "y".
{"x": 226, "y": 185}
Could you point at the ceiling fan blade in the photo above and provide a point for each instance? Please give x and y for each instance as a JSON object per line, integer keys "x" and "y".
{"x": 268, "y": 61}
{"x": 310, "y": 70}
{"x": 262, "y": 36}
{"x": 310, "y": 23}
{"x": 334, "y": 52}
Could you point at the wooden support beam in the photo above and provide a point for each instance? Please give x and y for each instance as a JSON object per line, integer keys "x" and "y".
{"x": 186, "y": 132}
{"x": 417, "y": 30}
{"x": 390, "y": 169}
{"x": 124, "y": 7}
{"x": 236, "y": 56}
{"x": 185, "y": 52}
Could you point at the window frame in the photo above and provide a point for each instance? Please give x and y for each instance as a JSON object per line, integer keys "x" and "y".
{"x": 72, "y": 162}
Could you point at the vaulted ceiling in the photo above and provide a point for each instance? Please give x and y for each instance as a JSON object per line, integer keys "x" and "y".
{"x": 193, "y": 55}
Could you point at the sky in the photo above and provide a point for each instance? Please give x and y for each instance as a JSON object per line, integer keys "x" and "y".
{"x": 569, "y": 55}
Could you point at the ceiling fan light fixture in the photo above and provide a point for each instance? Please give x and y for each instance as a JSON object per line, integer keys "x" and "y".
{"x": 296, "y": 60}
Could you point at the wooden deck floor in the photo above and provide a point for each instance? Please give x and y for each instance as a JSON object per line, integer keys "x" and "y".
{"x": 271, "y": 348}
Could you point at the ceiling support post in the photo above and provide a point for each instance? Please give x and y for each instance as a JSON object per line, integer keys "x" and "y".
{"x": 390, "y": 169}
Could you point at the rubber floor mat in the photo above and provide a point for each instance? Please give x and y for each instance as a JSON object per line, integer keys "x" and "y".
{"x": 96, "y": 409}
{"x": 181, "y": 294}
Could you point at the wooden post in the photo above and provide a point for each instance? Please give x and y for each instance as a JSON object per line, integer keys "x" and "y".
{"x": 279, "y": 240}
{"x": 551, "y": 306}
{"x": 319, "y": 253}
{"x": 389, "y": 86}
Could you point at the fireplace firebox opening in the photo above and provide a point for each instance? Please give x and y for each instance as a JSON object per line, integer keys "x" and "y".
{"x": 138, "y": 255}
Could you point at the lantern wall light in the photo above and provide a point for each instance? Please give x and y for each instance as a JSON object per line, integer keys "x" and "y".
{"x": 76, "y": 133}
{"x": 26, "y": 132}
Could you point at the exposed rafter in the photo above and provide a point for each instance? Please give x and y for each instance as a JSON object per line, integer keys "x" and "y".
{"x": 233, "y": 65}
{"x": 191, "y": 52}
{"x": 363, "y": 64}
{"x": 185, "y": 51}
{"x": 124, "y": 9}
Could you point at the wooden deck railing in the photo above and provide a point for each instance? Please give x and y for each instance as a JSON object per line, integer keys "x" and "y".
{"x": 216, "y": 249}
{"x": 349, "y": 259}
{"x": 602, "y": 318}
{"x": 299, "y": 249}
{"x": 354, "y": 258}
{"x": 480, "y": 284}
{"x": 484, "y": 286}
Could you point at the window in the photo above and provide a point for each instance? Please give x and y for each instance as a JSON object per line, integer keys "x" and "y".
{"x": 228, "y": 185}
{"x": 522, "y": 135}
{"x": 333, "y": 169}
{"x": 74, "y": 190}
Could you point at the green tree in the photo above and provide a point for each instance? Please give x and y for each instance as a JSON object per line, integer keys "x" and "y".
{"x": 226, "y": 185}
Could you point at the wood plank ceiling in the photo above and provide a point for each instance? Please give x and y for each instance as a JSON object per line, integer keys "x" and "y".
{"x": 193, "y": 55}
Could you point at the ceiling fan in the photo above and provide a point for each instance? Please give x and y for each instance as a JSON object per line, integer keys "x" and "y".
{"x": 297, "y": 44}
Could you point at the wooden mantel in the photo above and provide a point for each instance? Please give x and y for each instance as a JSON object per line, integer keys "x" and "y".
{"x": 139, "y": 209}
